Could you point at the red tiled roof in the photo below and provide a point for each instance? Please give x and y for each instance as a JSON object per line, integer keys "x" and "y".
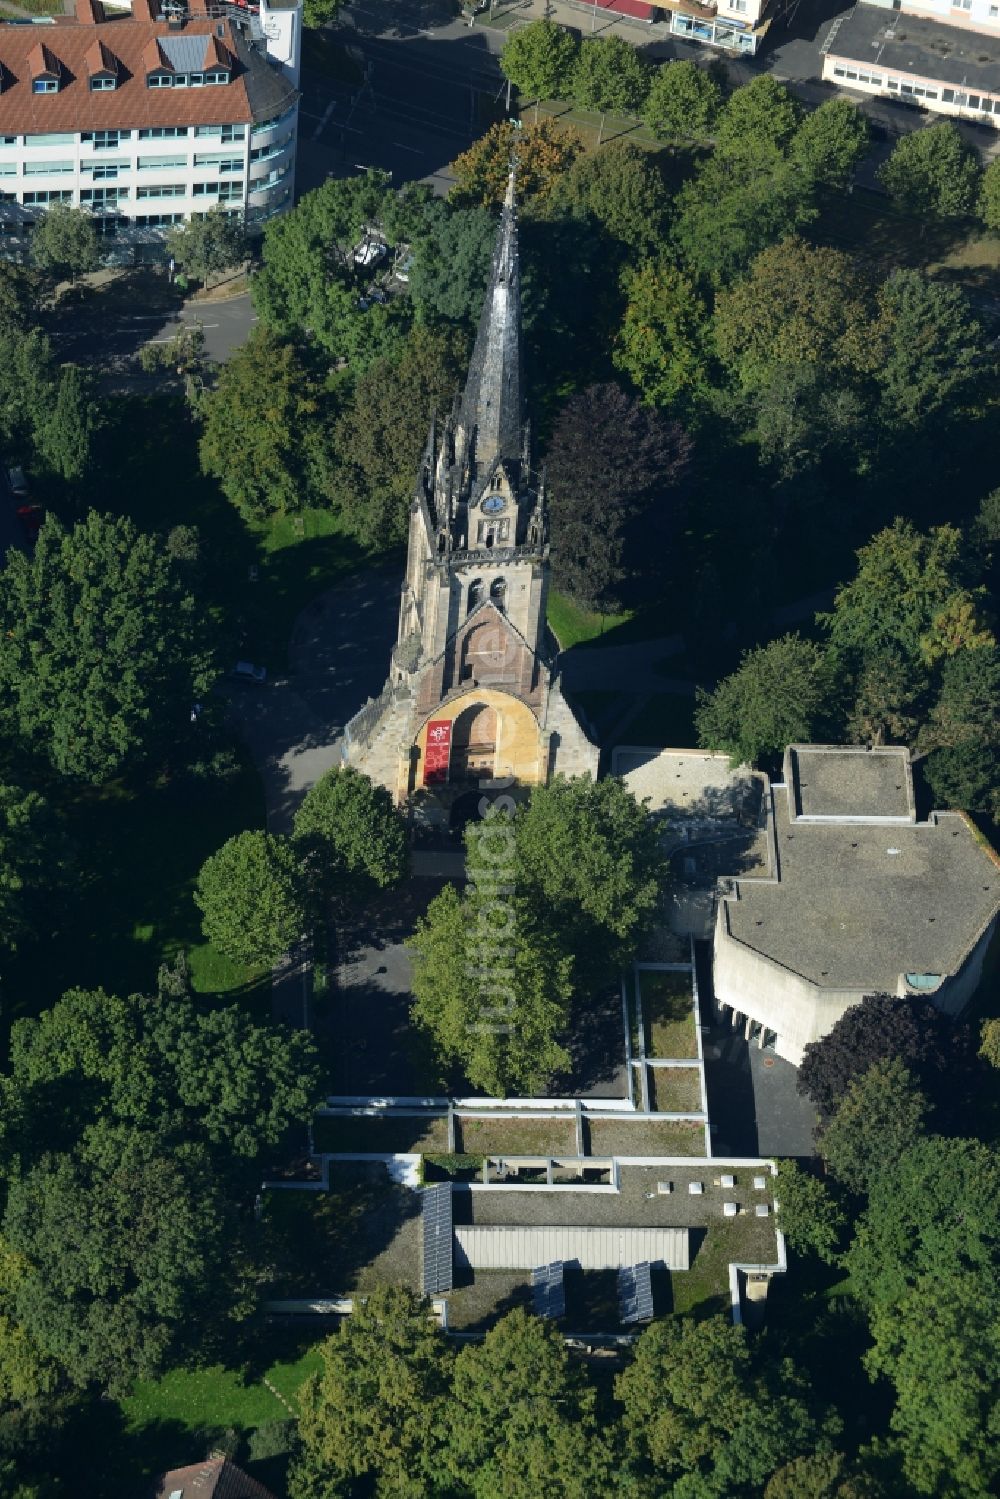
{"x": 215, "y": 1478}
{"x": 99, "y": 59}
{"x": 134, "y": 44}
{"x": 218, "y": 56}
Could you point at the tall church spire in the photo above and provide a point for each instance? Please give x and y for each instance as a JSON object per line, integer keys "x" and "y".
{"x": 491, "y": 407}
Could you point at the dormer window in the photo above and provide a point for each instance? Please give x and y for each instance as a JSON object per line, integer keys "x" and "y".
{"x": 44, "y": 69}
{"x": 102, "y": 68}
{"x": 159, "y": 80}
{"x": 218, "y": 76}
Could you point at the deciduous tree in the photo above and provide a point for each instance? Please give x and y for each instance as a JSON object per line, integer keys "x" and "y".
{"x": 33, "y": 864}
{"x": 933, "y": 173}
{"x": 663, "y": 345}
{"x": 882, "y": 1114}
{"x": 264, "y": 435}
{"x": 374, "y": 1411}
{"x": 539, "y": 60}
{"x": 102, "y": 648}
{"x": 251, "y": 898}
{"x": 521, "y": 1418}
{"x": 808, "y": 1214}
{"x": 610, "y": 76}
{"x": 381, "y": 434}
{"x": 779, "y": 695}
{"x": 621, "y": 189}
{"x": 989, "y": 196}
{"x": 544, "y": 151}
{"x": 683, "y": 102}
{"x": 831, "y": 142}
{"x": 451, "y": 263}
{"x": 64, "y": 243}
{"x": 963, "y": 732}
{"x": 208, "y": 245}
{"x": 738, "y": 203}
{"x": 351, "y": 836}
{"x": 761, "y": 113}
{"x": 612, "y": 469}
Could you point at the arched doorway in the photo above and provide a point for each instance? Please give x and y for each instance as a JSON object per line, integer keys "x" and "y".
{"x": 474, "y": 743}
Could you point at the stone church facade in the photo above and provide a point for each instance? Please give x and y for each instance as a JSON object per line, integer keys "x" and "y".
{"x": 473, "y": 694}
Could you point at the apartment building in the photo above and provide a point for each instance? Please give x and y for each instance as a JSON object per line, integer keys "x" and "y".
{"x": 938, "y": 55}
{"x": 150, "y": 115}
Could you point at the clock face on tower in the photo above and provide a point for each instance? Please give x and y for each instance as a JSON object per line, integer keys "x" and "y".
{"x": 493, "y": 504}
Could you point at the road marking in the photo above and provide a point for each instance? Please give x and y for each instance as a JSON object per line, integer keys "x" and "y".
{"x": 398, "y": 146}
{"x": 326, "y": 115}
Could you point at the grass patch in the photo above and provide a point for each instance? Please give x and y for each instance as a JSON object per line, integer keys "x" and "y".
{"x": 644, "y": 1137}
{"x": 349, "y": 1132}
{"x": 704, "y": 1289}
{"x": 218, "y": 1397}
{"x": 515, "y": 1137}
{"x": 571, "y": 624}
{"x": 667, "y": 1013}
{"x": 674, "y": 1090}
{"x": 665, "y": 721}
{"x": 870, "y": 227}
{"x": 589, "y": 124}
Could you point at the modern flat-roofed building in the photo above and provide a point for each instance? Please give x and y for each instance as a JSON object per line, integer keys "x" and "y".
{"x": 149, "y": 116}
{"x": 860, "y": 898}
{"x": 950, "y": 67}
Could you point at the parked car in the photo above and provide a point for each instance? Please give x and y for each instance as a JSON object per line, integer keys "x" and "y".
{"x": 370, "y": 252}
{"x": 404, "y": 268}
{"x": 16, "y": 482}
{"x": 245, "y": 671}
{"x": 32, "y": 518}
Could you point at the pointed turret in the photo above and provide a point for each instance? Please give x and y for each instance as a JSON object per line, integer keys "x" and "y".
{"x": 491, "y": 407}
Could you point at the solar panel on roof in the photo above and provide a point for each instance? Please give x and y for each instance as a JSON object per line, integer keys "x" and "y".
{"x": 436, "y": 1225}
{"x": 635, "y": 1293}
{"x": 548, "y": 1290}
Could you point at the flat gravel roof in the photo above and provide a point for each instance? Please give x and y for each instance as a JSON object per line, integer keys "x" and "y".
{"x": 924, "y": 49}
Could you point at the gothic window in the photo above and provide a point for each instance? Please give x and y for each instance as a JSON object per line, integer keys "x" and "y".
{"x": 475, "y": 594}
{"x": 498, "y": 593}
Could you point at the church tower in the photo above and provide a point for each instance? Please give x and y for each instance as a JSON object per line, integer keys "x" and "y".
{"x": 472, "y": 695}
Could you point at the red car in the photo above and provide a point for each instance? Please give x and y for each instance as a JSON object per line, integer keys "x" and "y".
{"x": 31, "y": 518}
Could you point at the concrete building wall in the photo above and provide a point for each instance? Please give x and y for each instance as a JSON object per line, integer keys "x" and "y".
{"x": 930, "y": 93}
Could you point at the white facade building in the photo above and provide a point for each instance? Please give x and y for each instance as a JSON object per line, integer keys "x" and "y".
{"x": 150, "y": 116}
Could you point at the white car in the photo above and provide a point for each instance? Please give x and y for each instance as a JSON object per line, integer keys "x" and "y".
{"x": 370, "y": 252}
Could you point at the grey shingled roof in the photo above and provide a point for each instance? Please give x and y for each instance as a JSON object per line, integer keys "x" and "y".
{"x": 492, "y": 402}
{"x": 857, "y": 904}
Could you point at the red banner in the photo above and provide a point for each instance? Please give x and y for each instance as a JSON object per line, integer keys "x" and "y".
{"x": 438, "y": 753}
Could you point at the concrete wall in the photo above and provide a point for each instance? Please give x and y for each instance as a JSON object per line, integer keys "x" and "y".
{"x": 872, "y": 78}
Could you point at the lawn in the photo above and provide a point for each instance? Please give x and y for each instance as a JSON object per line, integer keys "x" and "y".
{"x": 705, "y": 1287}
{"x": 218, "y": 1397}
{"x": 869, "y": 226}
{"x": 675, "y": 1090}
{"x": 571, "y": 624}
{"x": 655, "y": 1137}
{"x": 516, "y": 1137}
{"x": 392, "y": 1136}
{"x": 667, "y": 1013}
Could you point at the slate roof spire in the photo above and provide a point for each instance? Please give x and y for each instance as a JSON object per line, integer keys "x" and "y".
{"x": 491, "y": 412}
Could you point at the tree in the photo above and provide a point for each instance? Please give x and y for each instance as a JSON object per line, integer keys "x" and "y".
{"x": 18, "y": 297}
{"x": 27, "y": 381}
{"x": 208, "y": 245}
{"x": 491, "y": 990}
{"x": 663, "y": 344}
{"x": 882, "y": 1027}
{"x": 373, "y": 1412}
{"x": 932, "y": 173}
{"x": 539, "y": 60}
{"x": 351, "y": 836}
{"x": 808, "y": 1215}
{"x": 250, "y": 897}
{"x": 264, "y": 434}
{"x": 521, "y": 1419}
{"x": 761, "y": 113}
{"x": 683, "y": 102}
{"x": 804, "y": 421}
{"x": 911, "y": 596}
{"x": 544, "y": 151}
{"x": 831, "y": 142}
{"x": 587, "y": 855}
{"x": 64, "y": 243}
{"x": 610, "y": 76}
{"x": 702, "y": 1414}
{"x": 102, "y": 647}
{"x": 932, "y": 361}
{"x": 778, "y": 695}
{"x": 937, "y": 1214}
{"x": 33, "y": 857}
{"x": 821, "y": 1475}
{"x": 620, "y": 188}
{"x": 880, "y": 1116}
{"x": 963, "y": 732}
{"x": 65, "y": 439}
{"x": 318, "y": 13}
{"x": 989, "y": 1037}
{"x": 940, "y": 1347}
{"x": 989, "y": 196}
{"x": 823, "y": 316}
{"x": 451, "y": 263}
{"x": 610, "y": 468}
{"x": 739, "y": 202}
{"x": 381, "y": 434}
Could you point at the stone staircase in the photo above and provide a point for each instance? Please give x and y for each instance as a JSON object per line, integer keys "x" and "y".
{"x": 575, "y": 754}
